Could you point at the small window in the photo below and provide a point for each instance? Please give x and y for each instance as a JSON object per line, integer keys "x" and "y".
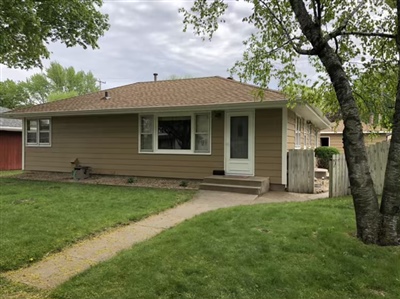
{"x": 324, "y": 141}
{"x": 146, "y": 133}
{"x": 202, "y": 133}
{"x": 297, "y": 141}
{"x": 38, "y": 132}
{"x": 44, "y": 131}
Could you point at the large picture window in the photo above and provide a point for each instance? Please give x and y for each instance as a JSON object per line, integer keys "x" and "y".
{"x": 189, "y": 133}
{"x": 174, "y": 133}
{"x": 38, "y": 132}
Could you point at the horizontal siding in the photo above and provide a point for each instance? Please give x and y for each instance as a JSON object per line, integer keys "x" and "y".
{"x": 109, "y": 144}
{"x": 268, "y": 144}
{"x": 336, "y": 140}
{"x": 370, "y": 139}
{"x": 291, "y": 127}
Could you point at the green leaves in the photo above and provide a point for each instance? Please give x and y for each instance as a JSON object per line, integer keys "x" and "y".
{"x": 56, "y": 83}
{"x": 349, "y": 27}
{"x": 26, "y": 27}
{"x": 12, "y": 95}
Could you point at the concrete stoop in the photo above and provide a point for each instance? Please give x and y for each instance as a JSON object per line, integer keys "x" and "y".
{"x": 237, "y": 184}
{"x": 321, "y": 173}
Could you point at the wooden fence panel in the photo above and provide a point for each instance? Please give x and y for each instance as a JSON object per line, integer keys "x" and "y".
{"x": 301, "y": 171}
{"x": 377, "y": 159}
{"x": 338, "y": 175}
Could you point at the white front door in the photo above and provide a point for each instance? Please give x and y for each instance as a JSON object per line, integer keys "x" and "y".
{"x": 239, "y": 143}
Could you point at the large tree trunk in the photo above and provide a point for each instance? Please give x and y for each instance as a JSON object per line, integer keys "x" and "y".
{"x": 362, "y": 187}
{"x": 368, "y": 217}
{"x": 390, "y": 207}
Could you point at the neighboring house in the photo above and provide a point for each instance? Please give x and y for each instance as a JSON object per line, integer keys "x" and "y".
{"x": 10, "y": 143}
{"x": 333, "y": 136}
{"x": 185, "y": 129}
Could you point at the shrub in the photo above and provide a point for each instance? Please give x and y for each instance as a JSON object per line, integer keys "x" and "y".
{"x": 324, "y": 154}
{"x": 131, "y": 180}
{"x": 183, "y": 184}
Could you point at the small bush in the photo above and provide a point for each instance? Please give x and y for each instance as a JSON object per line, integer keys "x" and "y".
{"x": 183, "y": 184}
{"x": 324, "y": 155}
{"x": 131, "y": 180}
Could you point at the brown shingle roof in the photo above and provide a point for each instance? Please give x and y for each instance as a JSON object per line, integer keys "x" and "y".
{"x": 168, "y": 93}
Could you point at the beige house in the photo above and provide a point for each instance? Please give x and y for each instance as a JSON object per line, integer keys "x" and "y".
{"x": 189, "y": 128}
{"x": 333, "y": 136}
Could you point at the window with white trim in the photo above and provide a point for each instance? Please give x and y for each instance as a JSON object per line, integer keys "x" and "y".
{"x": 146, "y": 133}
{"x": 38, "y": 132}
{"x": 297, "y": 137}
{"x": 202, "y": 133}
{"x": 188, "y": 133}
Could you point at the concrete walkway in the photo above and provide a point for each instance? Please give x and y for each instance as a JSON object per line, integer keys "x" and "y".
{"x": 60, "y": 267}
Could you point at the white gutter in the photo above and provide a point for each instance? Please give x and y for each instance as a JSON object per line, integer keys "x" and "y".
{"x": 226, "y": 106}
{"x": 13, "y": 129}
{"x": 319, "y": 114}
{"x": 364, "y": 132}
{"x": 284, "y": 146}
{"x": 313, "y": 114}
{"x": 23, "y": 143}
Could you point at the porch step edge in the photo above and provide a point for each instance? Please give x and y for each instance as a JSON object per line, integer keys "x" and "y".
{"x": 239, "y": 181}
{"x": 231, "y": 188}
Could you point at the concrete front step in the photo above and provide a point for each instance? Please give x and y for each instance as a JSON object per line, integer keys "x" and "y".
{"x": 230, "y": 188}
{"x": 232, "y": 180}
{"x": 321, "y": 173}
{"x": 245, "y": 185}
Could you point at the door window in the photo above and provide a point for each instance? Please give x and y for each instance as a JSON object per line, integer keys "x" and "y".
{"x": 239, "y": 137}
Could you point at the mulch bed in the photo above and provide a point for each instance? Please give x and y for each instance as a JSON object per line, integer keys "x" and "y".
{"x": 111, "y": 180}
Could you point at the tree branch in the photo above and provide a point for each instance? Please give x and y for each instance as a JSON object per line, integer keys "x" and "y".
{"x": 341, "y": 29}
{"x": 297, "y": 47}
{"x": 315, "y": 11}
{"x": 344, "y": 23}
{"x": 370, "y": 34}
{"x": 320, "y": 8}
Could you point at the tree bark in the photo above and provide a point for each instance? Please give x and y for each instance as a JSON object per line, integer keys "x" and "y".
{"x": 390, "y": 207}
{"x": 362, "y": 187}
{"x": 368, "y": 217}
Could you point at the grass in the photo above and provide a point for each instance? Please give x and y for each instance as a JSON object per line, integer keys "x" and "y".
{"x": 293, "y": 250}
{"x": 8, "y": 173}
{"x": 37, "y": 218}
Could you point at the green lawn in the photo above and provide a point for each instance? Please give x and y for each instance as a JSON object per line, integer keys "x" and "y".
{"x": 37, "y": 218}
{"x": 293, "y": 250}
{"x": 8, "y": 173}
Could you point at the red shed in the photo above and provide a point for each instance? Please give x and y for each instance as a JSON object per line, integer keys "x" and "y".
{"x": 10, "y": 143}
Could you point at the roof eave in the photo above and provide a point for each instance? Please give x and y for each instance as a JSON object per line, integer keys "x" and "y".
{"x": 314, "y": 114}
{"x": 225, "y": 106}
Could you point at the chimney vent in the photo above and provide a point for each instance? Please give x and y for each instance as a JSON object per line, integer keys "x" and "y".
{"x": 155, "y": 77}
{"x": 107, "y": 95}
{"x": 230, "y": 78}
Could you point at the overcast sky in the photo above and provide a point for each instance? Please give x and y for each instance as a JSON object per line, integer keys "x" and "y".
{"x": 147, "y": 37}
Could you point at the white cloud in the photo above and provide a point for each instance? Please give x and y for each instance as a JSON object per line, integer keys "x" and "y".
{"x": 147, "y": 37}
